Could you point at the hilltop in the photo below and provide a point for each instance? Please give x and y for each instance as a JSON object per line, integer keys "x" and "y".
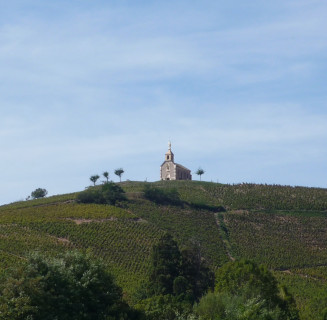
{"x": 283, "y": 227}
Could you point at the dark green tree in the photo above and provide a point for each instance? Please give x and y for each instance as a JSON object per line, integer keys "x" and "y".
{"x": 195, "y": 271}
{"x": 119, "y": 172}
{"x": 200, "y": 172}
{"x": 94, "y": 178}
{"x": 254, "y": 282}
{"x": 106, "y": 175}
{"x": 108, "y": 193}
{"x": 39, "y": 193}
{"x": 161, "y": 196}
{"x": 166, "y": 262}
{"x": 73, "y": 286}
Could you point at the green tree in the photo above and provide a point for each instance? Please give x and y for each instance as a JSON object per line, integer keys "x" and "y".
{"x": 106, "y": 175}
{"x": 161, "y": 196}
{"x": 225, "y": 306}
{"x": 200, "y": 172}
{"x": 73, "y": 286}
{"x": 39, "y": 193}
{"x": 94, "y": 178}
{"x": 194, "y": 269}
{"x": 255, "y": 283}
{"x": 166, "y": 261}
{"x": 119, "y": 172}
{"x": 108, "y": 193}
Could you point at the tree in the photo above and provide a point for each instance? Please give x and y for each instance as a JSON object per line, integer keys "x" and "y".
{"x": 200, "y": 172}
{"x": 108, "y": 193}
{"x": 179, "y": 273}
{"x": 161, "y": 196}
{"x": 166, "y": 260}
{"x": 119, "y": 172}
{"x": 73, "y": 286}
{"x": 255, "y": 284}
{"x": 196, "y": 272}
{"x": 94, "y": 178}
{"x": 106, "y": 175}
{"x": 39, "y": 193}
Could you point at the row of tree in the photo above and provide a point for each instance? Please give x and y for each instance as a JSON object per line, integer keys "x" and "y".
{"x": 118, "y": 172}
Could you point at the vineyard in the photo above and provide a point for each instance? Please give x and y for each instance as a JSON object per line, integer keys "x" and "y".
{"x": 283, "y": 227}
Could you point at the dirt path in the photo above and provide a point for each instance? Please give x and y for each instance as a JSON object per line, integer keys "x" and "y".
{"x": 224, "y": 238}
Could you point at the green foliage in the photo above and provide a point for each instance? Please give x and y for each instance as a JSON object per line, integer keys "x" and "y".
{"x": 200, "y": 172}
{"x": 162, "y": 196}
{"x": 73, "y": 286}
{"x": 166, "y": 259}
{"x": 235, "y": 307}
{"x": 255, "y": 283}
{"x": 108, "y": 193}
{"x": 195, "y": 271}
{"x": 94, "y": 178}
{"x": 164, "y": 307}
{"x": 119, "y": 172}
{"x": 39, "y": 193}
{"x": 106, "y": 175}
{"x": 180, "y": 273}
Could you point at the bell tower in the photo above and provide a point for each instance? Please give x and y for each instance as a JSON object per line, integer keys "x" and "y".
{"x": 169, "y": 154}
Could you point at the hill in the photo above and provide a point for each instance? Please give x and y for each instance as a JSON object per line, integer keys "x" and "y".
{"x": 280, "y": 226}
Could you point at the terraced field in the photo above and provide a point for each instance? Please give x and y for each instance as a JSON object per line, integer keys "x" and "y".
{"x": 282, "y": 227}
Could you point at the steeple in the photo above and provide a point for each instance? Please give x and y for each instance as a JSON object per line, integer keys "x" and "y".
{"x": 169, "y": 154}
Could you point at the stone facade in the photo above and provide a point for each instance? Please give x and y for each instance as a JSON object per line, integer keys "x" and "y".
{"x": 170, "y": 170}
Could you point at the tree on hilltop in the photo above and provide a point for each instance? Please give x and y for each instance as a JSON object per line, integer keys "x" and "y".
{"x": 119, "y": 172}
{"x": 200, "y": 172}
{"x": 106, "y": 175}
{"x": 94, "y": 178}
{"x": 39, "y": 193}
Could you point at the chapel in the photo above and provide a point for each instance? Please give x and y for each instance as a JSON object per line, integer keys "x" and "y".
{"x": 170, "y": 170}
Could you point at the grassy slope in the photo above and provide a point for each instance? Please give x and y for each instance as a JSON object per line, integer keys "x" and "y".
{"x": 283, "y": 227}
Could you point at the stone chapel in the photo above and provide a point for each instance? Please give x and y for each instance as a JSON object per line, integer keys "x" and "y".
{"x": 170, "y": 170}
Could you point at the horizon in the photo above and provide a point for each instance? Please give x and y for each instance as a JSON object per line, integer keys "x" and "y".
{"x": 89, "y": 87}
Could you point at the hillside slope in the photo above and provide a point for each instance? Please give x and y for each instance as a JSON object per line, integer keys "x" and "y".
{"x": 282, "y": 227}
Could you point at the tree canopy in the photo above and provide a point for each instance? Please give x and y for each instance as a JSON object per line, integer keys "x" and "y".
{"x": 73, "y": 286}
{"x": 39, "y": 193}
{"x": 108, "y": 193}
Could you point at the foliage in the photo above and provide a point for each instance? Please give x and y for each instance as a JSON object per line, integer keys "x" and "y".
{"x": 94, "y": 178}
{"x": 73, "y": 286}
{"x": 200, "y": 172}
{"x": 119, "y": 172}
{"x": 164, "y": 307}
{"x": 166, "y": 259}
{"x": 199, "y": 278}
{"x": 106, "y": 175}
{"x": 180, "y": 273}
{"x": 39, "y": 193}
{"x": 235, "y": 307}
{"x": 108, "y": 193}
{"x": 251, "y": 281}
{"x": 162, "y": 196}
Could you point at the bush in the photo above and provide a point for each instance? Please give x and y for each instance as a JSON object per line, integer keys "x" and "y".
{"x": 161, "y": 196}
{"x": 109, "y": 193}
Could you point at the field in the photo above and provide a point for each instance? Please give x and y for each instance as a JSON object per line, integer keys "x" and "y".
{"x": 282, "y": 227}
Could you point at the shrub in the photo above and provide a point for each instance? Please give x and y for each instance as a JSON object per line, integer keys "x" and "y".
{"x": 109, "y": 193}
{"x": 160, "y": 196}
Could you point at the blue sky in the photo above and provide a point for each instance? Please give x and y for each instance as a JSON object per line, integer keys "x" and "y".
{"x": 239, "y": 88}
